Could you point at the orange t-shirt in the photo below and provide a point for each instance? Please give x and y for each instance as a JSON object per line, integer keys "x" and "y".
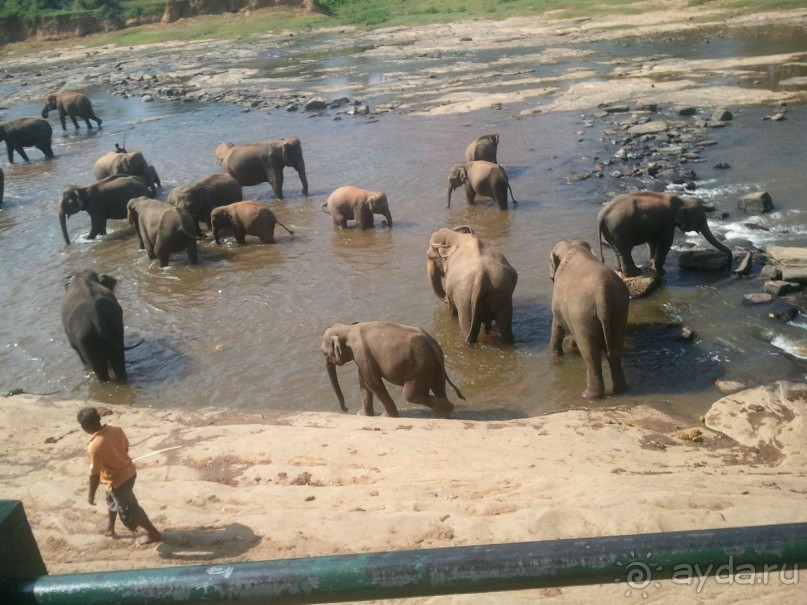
{"x": 108, "y": 453}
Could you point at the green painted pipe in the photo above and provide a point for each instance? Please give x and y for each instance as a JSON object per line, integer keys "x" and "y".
{"x": 631, "y": 562}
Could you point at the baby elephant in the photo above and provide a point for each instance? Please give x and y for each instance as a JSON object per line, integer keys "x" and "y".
{"x": 483, "y": 148}
{"x": 162, "y": 229}
{"x": 403, "y": 355}
{"x": 246, "y": 218}
{"x": 93, "y": 321}
{"x": 481, "y": 178}
{"x": 354, "y": 203}
{"x": 590, "y": 304}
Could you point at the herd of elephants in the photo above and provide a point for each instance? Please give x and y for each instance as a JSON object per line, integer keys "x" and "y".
{"x": 590, "y": 300}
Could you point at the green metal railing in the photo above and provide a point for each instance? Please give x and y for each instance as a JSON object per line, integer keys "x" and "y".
{"x": 629, "y": 562}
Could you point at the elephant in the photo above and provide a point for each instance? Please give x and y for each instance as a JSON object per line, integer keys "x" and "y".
{"x": 483, "y": 148}
{"x": 162, "y": 229}
{"x": 246, "y": 218}
{"x": 263, "y": 162}
{"x": 479, "y": 282}
{"x": 349, "y": 203}
{"x": 650, "y": 217}
{"x": 73, "y": 104}
{"x": 26, "y": 132}
{"x": 93, "y": 321}
{"x": 590, "y": 305}
{"x": 103, "y": 200}
{"x": 403, "y": 355}
{"x": 203, "y": 196}
{"x": 132, "y": 163}
{"x": 481, "y": 178}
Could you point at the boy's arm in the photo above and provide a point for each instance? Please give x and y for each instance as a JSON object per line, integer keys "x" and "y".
{"x": 95, "y": 481}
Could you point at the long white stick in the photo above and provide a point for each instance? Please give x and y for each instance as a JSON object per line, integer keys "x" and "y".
{"x": 157, "y": 452}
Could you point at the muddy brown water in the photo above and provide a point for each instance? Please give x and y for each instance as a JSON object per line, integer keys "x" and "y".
{"x": 243, "y": 328}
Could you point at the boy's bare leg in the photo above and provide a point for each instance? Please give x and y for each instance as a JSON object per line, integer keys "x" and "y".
{"x": 110, "y": 529}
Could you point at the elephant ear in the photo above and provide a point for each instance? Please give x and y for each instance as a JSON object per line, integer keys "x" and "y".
{"x": 336, "y": 347}
{"x": 465, "y": 229}
{"x": 688, "y": 216}
{"x": 445, "y": 250}
{"x": 107, "y": 281}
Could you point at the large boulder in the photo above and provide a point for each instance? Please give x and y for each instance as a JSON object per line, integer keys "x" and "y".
{"x": 758, "y": 202}
{"x": 703, "y": 260}
{"x": 791, "y": 262}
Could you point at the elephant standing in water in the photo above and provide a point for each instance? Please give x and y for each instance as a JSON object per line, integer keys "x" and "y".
{"x": 200, "y": 198}
{"x": 481, "y": 178}
{"x": 132, "y": 163}
{"x": 73, "y": 104}
{"x": 483, "y": 148}
{"x": 402, "y": 355}
{"x": 589, "y": 304}
{"x": 263, "y": 162}
{"x": 479, "y": 282}
{"x": 102, "y": 200}
{"x": 26, "y": 132}
{"x": 650, "y": 217}
{"x": 162, "y": 229}
{"x": 354, "y": 203}
{"x": 93, "y": 321}
{"x": 246, "y": 218}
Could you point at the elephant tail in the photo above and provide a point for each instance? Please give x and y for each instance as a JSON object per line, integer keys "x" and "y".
{"x": 324, "y": 206}
{"x": 512, "y": 197}
{"x": 456, "y": 390}
{"x": 599, "y": 237}
{"x": 286, "y": 228}
{"x": 130, "y": 347}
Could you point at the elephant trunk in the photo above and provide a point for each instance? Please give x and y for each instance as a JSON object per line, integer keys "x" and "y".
{"x": 436, "y": 278}
{"x": 707, "y": 233}
{"x": 300, "y": 167}
{"x": 388, "y": 216}
{"x": 450, "y": 191}
{"x": 45, "y": 111}
{"x": 335, "y": 384}
{"x": 63, "y": 224}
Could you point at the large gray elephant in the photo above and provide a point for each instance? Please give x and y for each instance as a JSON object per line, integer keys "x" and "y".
{"x": 162, "y": 229}
{"x": 263, "y": 162}
{"x": 479, "y": 282}
{"x": 383, "y": 350}
{"x": 73, "y": 104}
{"x": 481, "y": 178}
{"x": 483, "y": 148}
{"x": 650, "y": 217}
{"x": 102, "y": 200}
{"x": 132, "y": 163}
{"x": 203, "y": 196}
{"x": 249, "y": 217}
{"x": 93, "y": 321}
{"x": 354, "y": 203}
{"x": 590, "y": 305}
{"x": 26, "y": 132}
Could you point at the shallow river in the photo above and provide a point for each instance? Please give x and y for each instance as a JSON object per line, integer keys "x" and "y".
{"x": 243, "y": 328}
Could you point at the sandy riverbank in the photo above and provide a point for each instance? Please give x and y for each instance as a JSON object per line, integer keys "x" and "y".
{"x": 245, "y": 486}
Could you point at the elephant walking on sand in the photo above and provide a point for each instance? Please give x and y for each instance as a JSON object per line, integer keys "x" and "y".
{"x": 383, "y": 350}
{"x": 639, "y": 217}
{"x": 162, "y": 229}
{"x": 479, "y": 282}
{"x": 102, "y": 200}
{"x": 354, "y": 203}
{"x": 26, "y": 132}
{"x": 483, "y": 148}
{"x": 72, "y": 104}
{"x": 590, "y": 305}
{"x": 93, "y": 321}
{"x": 132, "y": 163}
{"x": 263, "y": 162}
{"x": 246, "y": 218}
{"x": 481, "y": 178}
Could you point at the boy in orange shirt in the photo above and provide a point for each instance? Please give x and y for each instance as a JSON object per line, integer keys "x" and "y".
{"x": 108, "y": 453}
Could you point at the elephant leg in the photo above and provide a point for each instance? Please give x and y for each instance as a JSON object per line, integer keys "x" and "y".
{"x": 63, "y": 120}
{"x": 464, "y": 312}
{"x": 97, "y": 227}
{"x": 556, "y": 338}
{"x": 100, "y": 365}
{"x": 277, "y": 183}
{"x": 626, "y": 264}
{"x": 22, "y": 153}
{"x": 415, "y": 391}
{"x": 10, "y": 152}
{"x": 46, "y": 149}
{"x": 617, "y": 374}
{"x": 89, "y": 125}
{"x": 239, "y": 234}
{"x": 659, "y": 255}
{"x": 118, "y": 363}
{"x": 501, "y": 195}
{"x": 470, "y": 193}
{"x": 376, "y": 386}
{"x": 75, "y": 122}
{"x": 365, "y": 398}
{"x": 193, "y": 254}
{"x": 504, "y": 322}
{"x": 592, "y": 356}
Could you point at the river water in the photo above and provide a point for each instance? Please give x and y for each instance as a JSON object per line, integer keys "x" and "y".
{"x": 243, "y": 328}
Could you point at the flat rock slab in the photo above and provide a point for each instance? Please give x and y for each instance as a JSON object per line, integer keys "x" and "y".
{"x": 703, "y": 260}
{"x": 641, "y": 285}
{"x": 652, "y": 127}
